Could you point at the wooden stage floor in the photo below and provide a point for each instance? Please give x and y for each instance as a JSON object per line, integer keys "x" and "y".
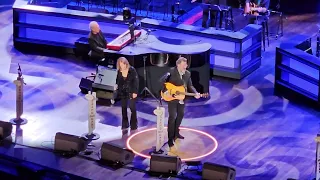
{"x": 261, "y": 135}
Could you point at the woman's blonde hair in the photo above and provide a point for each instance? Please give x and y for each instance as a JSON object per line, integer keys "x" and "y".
{"x": 124, "y": 61}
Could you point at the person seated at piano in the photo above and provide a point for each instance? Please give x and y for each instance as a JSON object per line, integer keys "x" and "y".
{"x": 256, "y": 7}
{"x": 97, "y": 42}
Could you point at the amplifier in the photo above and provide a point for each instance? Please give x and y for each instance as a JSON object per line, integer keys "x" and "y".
{"x": 105, "y": 79}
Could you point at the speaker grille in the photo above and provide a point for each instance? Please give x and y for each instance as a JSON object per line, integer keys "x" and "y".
{"x": 116, "y": 154}
{"x": 5, "y": 129}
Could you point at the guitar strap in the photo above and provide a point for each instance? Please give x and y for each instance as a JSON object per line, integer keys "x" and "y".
{"x": 184, "y": 82}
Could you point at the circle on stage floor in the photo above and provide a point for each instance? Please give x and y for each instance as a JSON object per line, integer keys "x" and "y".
{"x": 196, "y": 144}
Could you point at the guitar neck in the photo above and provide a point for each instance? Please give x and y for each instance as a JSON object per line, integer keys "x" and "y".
{"x": 189, "y": 94}
{"x": 259, "y": 9}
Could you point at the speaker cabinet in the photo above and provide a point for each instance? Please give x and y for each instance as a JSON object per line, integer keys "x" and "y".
{"x": 116, "y": 154}
{"x": 85, "y": 85}
{"x": 5, "y": 129}
{"x": 212, "y": 171}
{"x": 68, "y": 143}
{"x": 164, "y": 164}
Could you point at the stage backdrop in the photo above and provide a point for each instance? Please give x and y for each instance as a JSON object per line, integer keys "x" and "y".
{"x": 158, "y": 65}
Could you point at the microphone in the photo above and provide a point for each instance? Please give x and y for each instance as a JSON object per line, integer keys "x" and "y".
{"x": 165, "y": 77}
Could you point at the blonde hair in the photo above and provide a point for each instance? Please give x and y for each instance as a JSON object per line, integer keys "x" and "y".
{"x": 124, "y": 61}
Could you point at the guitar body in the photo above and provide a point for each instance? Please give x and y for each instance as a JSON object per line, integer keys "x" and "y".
{"x": 174, "y": 92}
{"x": 178, "y": 93}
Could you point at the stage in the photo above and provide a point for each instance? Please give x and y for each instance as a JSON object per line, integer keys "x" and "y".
{"x": 261, "y": 135}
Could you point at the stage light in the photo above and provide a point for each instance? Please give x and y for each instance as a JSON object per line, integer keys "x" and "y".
{"x": 159, "y": 59}
{"x": 181, "y": 128}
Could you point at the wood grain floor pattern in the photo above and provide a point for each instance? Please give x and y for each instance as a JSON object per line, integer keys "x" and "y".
{"x": 268, "y": 138}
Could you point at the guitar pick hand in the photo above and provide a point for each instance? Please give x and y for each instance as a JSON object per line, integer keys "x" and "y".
{"x": 197, "y": 96}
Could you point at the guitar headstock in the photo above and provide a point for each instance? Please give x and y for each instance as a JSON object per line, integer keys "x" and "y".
{"x": 205, "y": 95}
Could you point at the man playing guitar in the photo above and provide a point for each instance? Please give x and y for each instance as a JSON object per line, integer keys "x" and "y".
{"x": 178, "y": 76}
{"x": 256, "y": 7}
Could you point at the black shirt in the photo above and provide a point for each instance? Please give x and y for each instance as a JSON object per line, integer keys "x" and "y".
{"x": 97, "y": 43}
{"x": 127, "y": 85}
{"x": 260, "y": 3}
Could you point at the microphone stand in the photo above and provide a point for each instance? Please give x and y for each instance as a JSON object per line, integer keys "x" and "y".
{"x": 318, "y": 45}
{"x": 146, "y": 90}
{"x": 19, "y": 99}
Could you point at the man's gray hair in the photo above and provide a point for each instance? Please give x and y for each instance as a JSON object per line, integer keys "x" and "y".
{"x": 93, "y": 24}
{"x": 181, "y": 59}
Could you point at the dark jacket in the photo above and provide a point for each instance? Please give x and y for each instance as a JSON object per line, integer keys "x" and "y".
{"x": 174, "y": 77}
{"x": 97, "y": 43}
{"x": 129, "y": 85}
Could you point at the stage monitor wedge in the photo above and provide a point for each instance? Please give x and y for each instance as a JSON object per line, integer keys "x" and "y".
{"x": 211, "y": 171}
{"x": 69, "y": 143}
{"x": 116, "y": 154}
{"x": 5, "y": 129}
{"x": 164, "y": 164}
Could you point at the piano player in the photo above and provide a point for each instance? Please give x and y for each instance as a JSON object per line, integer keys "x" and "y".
{"x": 97, "y": 42}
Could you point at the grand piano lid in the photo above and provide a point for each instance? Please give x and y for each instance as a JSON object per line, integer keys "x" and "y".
{"x": 167, "y": 47}
{"x": 152, "y": 44}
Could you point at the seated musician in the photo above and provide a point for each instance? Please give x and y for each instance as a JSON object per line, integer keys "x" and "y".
{"x": 97, "y": 42}
{"x": 256, "y": 7}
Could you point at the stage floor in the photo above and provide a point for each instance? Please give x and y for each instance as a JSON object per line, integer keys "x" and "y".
{"x": 261, "y": 135}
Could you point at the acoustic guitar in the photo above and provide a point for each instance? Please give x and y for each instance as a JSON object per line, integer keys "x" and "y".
{"x": 177, "y": 93}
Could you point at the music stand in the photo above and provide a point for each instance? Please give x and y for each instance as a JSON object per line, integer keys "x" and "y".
{"x": 210, "y": 8}
{"x": 205, "y": 6}
{"x": 263, "y": 20}
{"x": 215, "y": 7}
{"x": 132, "y": 27}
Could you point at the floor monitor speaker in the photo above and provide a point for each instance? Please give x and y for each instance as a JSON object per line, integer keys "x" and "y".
{"x": 69, "y": 143}
{"x": 164, "y": 164}
{"x": 5, "y": 129}
{"x": 116, "y": 154}
{"x": 211, "y": 171}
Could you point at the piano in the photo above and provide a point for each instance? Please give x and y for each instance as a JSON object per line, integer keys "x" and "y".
{"x": 123, "y": 40}
{"x": 157, "y": 53}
